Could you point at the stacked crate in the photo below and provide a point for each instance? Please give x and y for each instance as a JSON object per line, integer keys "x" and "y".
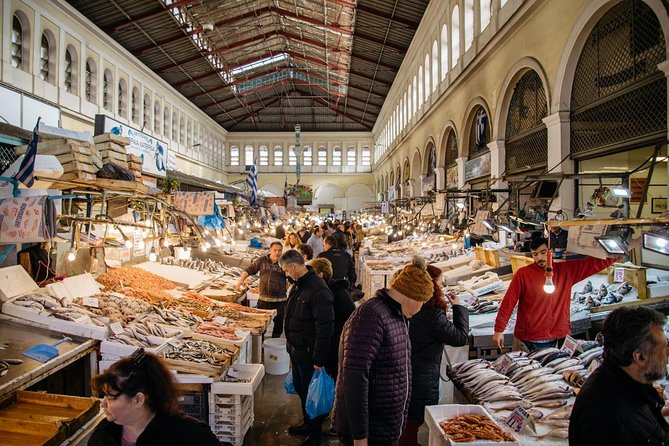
{"x": 80, "y": 160}
{"x": 230, "y": 417}
{"x": 112, "y": 149}
{"x": 135, "y": 166}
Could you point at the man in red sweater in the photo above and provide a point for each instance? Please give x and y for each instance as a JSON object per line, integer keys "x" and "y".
{"x": 542, "y": 318}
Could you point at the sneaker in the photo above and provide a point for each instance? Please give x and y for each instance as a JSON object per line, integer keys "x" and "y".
{"x": 299, "y": 429}
{"x": 332, "y": 432}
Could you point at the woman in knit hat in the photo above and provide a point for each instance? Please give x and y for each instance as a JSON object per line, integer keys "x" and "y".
{"x": 430, "y": 329}
{"x": 374, "y": 381}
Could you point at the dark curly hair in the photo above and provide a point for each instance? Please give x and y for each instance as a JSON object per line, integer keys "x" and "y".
{"x": 627, "y": 330}
{"x": 437, "y": 299}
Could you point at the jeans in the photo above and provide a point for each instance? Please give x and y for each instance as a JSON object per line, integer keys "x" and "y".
{"x": 278, "y": 319}
{"x": 531, "y": 346}
{"x": 302, "y": 374}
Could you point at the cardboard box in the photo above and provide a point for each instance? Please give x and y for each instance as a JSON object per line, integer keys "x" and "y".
{"x": 108, "y": 137}
{"x": 634, "y": 275}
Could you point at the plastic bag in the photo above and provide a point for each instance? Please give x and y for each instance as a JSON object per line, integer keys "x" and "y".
{"x": 288, "y": 384}
{"x": 114, "y": 172}
{"x": 320, "y": 396}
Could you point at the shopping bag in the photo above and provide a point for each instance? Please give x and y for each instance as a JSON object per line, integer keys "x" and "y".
{"x": 288, "y": 384}
{"x": 320, "y": 396}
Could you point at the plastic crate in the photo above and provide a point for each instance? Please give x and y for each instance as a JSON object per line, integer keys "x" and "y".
{"x": 195, "y": 404}
{"x": 229, "y": 404}
{"x": 230, "y": 413}
{"x": 235, "y": 427}
{"x": 236, "y": 439}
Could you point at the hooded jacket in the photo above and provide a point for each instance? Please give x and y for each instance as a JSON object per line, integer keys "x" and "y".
{"x": 309, "y": 320}
{"x": 374, "y": 381}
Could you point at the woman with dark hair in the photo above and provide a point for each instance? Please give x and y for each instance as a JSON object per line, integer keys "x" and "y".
{"x": 429, "y": 330}
{"x": 139, "y": 399}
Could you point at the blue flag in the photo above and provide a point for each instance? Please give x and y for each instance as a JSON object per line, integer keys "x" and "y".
{"x": 252, "y": 181}
{"x": 25, "y": 173}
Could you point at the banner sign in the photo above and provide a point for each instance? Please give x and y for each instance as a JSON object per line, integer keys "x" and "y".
{"x": 152, "y": 150}
{"x": 477, "y": 167}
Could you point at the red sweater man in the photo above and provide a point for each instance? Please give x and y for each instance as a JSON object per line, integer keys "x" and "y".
{"x": 543, "y": 318}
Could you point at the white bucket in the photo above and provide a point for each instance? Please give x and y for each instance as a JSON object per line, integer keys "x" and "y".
{"x": 275, "y": 356}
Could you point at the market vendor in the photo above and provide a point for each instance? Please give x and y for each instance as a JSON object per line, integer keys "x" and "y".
{"x": 272, "y": 284}
{"x": 618, "y": 404}
{"x": 543, "y": 318}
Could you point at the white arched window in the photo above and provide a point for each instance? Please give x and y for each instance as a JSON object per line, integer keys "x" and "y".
{"x": 182, "y": 135}
{"x": 404, "y": 110}
{"x": 414, "y": 99}
{"x": 366, "y": 157}
{"x": 292, "y": 158}
{"x": 278, "y": 156}
{"x": 308, "y": 156}
{"x": 486, "y": 13}
{"x": 70, "y": 71}
{"x": 156, "y": 116}
{"x": 264, "y": 155}
{"x": 234, "y": 156}
{"x": 175, "y": 127}
{"x": 122, "y": 98}
{"x": 444, "y": 51}
{"x": 421, "y": 97}
{"x": 455, "y": 36}
{"x": 134, "y": 105}
{"x": 89, "y": 81}
{"x": 20, "y": 42}
{"x": 469, "y": 23}
{"x": 350, "y": 156}
{"x": 189, "y": 133}
{"x": 427, "y": 77}
{"x": 166, "y": 122}
{"x": 248, "y": 155}
{"x": 435, "y": 66}
{"x": 146, "y": 123}
{"x": 322, "y": 156}
{"x": 336, "y": 156}
{"x": 107, "y": 90}
{"x": 44, "y": 58}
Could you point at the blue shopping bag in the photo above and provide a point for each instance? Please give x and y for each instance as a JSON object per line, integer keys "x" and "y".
{"x": 288, "y": 384}
{"x": 321, "y": 394}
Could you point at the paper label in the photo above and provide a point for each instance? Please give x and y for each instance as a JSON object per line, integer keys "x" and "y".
{"x": 91, "y": 302}
{"x": 233, "y": 373}
{"x": 220, "y": 320}
{"x": 505, "y": 364}
{"x": 518, "y": 419}
{"x": 618, "y": 275}
{"x": 116, "y": 328}
{"x": 570, "y": 345}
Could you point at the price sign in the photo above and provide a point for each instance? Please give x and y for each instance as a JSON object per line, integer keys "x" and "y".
{"x": 220, "y": 320}
{"x": 504, "y": 365}
{"x": 91, "y": 302}
{"x": 618, "y": 275}
{"x": 570, "y": 345}
{"x": 116, "y": 328}
{"x": 518, "y": 419}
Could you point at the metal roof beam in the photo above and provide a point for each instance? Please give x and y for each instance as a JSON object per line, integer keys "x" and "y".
{"x": 147, "y": 15}
{"x": 364, "y": 76}
{"x": 399, "y": 49}
{"x": 374, "y": 62}
{"x": 392, "y": 18}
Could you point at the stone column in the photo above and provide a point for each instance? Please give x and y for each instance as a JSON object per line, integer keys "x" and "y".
{"x": 461, "y": 171}
{"x": 559, "y": 145}
{"x": 440, "y": 173}
{"x": 497, "y": 167}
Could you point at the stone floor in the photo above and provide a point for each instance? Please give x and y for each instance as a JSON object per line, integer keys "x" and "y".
{"x": 275, "y": 410}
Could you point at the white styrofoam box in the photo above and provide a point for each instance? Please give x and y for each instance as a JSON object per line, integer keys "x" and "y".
{"x": 252, "y": 372}
{"x": 104, "y": 364}
{"x": 15, "y": 281}
{"x": 184, "y": 378}
{"x": 435, "y": 414}
{"x": 185, "y": 277}
{"x": 82, "y": 285}
{"x": 46, "y": 167}
{"x": 45, "y": 319}
{"x": 111, "y": 348}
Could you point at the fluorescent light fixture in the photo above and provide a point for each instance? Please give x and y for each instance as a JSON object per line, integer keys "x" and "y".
{"x": 259, "y": 63}
{"x": 621, "y": 192}
{"x": 488, "y": 224}
{"x": 656, "y": 242}
{"x": 612, "y": 244}
{"x": 507, "y": 228}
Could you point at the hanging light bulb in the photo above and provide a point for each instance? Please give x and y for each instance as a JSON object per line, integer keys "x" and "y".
{"x": 454, "y": 245}
{"x": 225, "y": 238}
{"x": 128, "y": 243}
{"x": 218, "y": 242}
{"x": 549, "y": 287}
{"x": 207, "y": 245}
{"x": 152, "y": 256}
{"x": 206, "y": 232}
{"x": 442, "y": 238}
{"x": 141, "y": 244}
{"x": 203, "y": 248}
{"x": 166, "y": 243}
{"x": 72, "y": 254}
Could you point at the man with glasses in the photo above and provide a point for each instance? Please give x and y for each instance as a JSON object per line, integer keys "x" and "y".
{"x": 543, "y": 318}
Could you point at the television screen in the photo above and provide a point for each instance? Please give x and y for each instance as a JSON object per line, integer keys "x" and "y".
{"x": 545, "y": 189}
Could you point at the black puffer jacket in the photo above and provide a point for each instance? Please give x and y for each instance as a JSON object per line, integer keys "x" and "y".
{"x": 613, "y": 409}
{"x": 429, "y": 330}
{"x": 309, "y": 320}
{"x": 343, "y": 308}
{"x": 342, "y": 264}
{"x": 272, "y": 281}
{"x": 374, "y": 383}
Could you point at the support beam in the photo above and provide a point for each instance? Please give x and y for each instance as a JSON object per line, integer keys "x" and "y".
{"x": 381, "y": 15}
{"x": 399, "y": 49}
{"x": 147, "y": 15}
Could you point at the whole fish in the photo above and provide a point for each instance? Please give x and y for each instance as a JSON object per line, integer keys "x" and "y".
{"x": 550, "y": 404}
{"x": 558, "y": 433}
{"x": 538, "y": 354}
{"x": 553, "y": 356}
{"x": 562, "y": 413}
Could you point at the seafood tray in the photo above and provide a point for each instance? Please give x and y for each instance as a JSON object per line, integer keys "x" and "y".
{"x": 248, "y": 375}
{"x": 35, "y": 418}
{"x": 435, "y": 414}
{"x": 113, "y": 349}
{"x": 244, "y": 343}
{"x": 209, "y": 362}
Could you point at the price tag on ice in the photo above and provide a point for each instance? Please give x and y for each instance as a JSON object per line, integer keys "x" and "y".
{"x": 570, "y": 345}
{"x": 504, "y": 364}
{"x": 220, "y": 320}
{"x": 518, "y": 419}
{"x": 91, "y": 302}
{"x": 618, "y": 275}
{"x": 116, "y": 328}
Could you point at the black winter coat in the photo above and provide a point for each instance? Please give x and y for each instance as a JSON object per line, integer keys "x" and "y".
{"x": 374, "y": 383}
{"x": 342, "y": 264}
{"x": 164, "y": 430}
{"x": 613, "y": 409}
{"x": 309, "y": 320}
{"x": 429, "y": 330}
{"x": 272, "y": 283}
{"x": 343, "y": 308}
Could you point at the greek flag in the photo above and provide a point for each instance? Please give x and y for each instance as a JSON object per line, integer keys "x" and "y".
{"x": 25, "y": 173}
{"x": 433, "y": 160}
{"x": 252, "y": 181}
{"x": 481, "y": 123}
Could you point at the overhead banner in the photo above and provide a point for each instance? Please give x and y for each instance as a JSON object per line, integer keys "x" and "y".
{"x": 477, "y": 167}
{"x": 152, "y": 150}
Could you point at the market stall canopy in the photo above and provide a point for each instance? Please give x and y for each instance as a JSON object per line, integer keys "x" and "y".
{"x": 266, "y": 65}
